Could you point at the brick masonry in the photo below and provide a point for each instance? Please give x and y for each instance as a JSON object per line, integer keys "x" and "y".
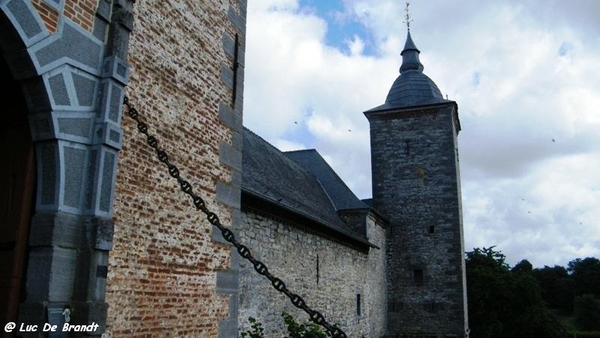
{"x": 168, "y": 276}
{"x": 169, "y": 273}
{"x": 327, "y": 274}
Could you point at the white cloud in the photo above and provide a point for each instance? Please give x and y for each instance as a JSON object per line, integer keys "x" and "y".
{"x": 527, "y": 87}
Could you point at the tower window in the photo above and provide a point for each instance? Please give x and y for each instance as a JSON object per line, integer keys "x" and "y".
{"x": 418, "y": 277}
{"x": 317, "y": 269}
{"x": 407, "y": 147}
{"x": 358, "y": 304}
{"x": 432, "y": 229}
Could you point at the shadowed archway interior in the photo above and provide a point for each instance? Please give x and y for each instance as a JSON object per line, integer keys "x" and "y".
{"x": 17, "y": 190}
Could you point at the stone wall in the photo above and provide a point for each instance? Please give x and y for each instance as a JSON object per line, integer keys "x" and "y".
{"x": 327, "y": 274}
{"x": 169, "y": 273}
{"x": 416, "y": 185}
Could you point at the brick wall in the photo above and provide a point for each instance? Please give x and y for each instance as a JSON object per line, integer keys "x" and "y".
{"x": 49, "y": 15}
{"x": 82, "y": 12}
{"x": 162, "y": 277}
{"x": 293, "y": 255}
{"x": 169, "y": 274}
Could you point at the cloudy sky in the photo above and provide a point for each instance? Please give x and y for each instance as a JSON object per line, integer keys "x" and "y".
{"x": 525, "y": 75}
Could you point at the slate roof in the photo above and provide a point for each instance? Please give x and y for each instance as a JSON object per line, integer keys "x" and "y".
{"x": 412, "y": 87}
{"x": 340, "y": 195}
{"x": 273, "y": 177}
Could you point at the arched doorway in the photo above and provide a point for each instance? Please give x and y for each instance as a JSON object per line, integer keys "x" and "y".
{"x": 17, "y": 189}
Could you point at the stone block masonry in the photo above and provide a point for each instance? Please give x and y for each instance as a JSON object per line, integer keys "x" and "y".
{"x": 332, "y": 278}
{"x": 416, "y": 185}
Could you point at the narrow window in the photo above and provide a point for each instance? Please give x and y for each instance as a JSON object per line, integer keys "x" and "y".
{"x": 407, "y": 147}
{"x": 317, "y": 269}
{"x": 358, "y": 304}
{"x": 432, "y": 229}
{"x": 236, "y": 66}
{"x": 418, "y": 277}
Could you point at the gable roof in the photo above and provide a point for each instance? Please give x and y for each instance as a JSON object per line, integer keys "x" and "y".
{"x": 271, "y": 176}
{"x": 340, "y": 195}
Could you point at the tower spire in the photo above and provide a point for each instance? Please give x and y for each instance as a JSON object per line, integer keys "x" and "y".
{"x": 407, "y": 18}
{"x": 410, "y": 53}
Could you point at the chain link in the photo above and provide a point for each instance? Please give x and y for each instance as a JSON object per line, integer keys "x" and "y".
{"x": 213, "y": 219}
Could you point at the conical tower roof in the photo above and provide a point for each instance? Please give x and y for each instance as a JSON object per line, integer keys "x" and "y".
{"x": 412, "y": 87}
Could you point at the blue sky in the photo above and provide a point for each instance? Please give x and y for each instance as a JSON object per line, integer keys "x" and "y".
{"x": 526, "y": 79}
{"x": 342, "y": 27}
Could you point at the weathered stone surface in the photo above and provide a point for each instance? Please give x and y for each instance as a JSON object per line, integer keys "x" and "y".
{"x": 328, "y": 275}
{"x": 416, "y": 185}
{"x": 167, "y": 276}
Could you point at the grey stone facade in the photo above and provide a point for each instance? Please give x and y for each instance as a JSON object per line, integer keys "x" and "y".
{"x": 416, "y": 184}
{"x": 329, "y": 275}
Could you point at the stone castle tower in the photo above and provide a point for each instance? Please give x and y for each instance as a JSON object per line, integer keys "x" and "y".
{"x": 416, "y": 185}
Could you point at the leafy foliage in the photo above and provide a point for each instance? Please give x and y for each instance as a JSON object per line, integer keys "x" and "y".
{"x": 295, "y": 330}
{"x": 586, "y": 276}
{"x": 304, "y": 330}
{"x": 587, "y": 313}
{"x": 505, "y": 303}
{"x": 558, "y": 287}
{"x": 256, "y": 330}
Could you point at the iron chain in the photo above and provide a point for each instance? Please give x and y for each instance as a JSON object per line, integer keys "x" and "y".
{"x": 213, "y": 219}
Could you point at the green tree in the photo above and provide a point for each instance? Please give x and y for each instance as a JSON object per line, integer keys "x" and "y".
{"x": 587, "y": 313}
{"x": 488, "y": 292}
{"x": 523, "y": 266}
{"x": 505, "y": 303}
{"x": 586, "y": 275}
{"x": 557, "y": 287}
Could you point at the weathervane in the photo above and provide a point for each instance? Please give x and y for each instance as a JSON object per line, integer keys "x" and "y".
{"x": 407, "y": 18}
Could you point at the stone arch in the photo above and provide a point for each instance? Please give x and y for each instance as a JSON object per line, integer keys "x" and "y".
{"x": 73, "y": 82}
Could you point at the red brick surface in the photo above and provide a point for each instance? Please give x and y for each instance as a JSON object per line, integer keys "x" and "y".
{"x": 48, "y": 15}
{"x": 162, "y": 270}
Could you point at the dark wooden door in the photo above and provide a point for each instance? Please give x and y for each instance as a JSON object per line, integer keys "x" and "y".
{"x": 17, "y": 178}
{"x": 17, "y": 184}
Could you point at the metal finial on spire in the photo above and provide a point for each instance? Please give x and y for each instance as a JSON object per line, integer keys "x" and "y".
{"x": 407, "y": 19}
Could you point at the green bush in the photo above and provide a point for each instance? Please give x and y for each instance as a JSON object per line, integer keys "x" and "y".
{"x": 304, "y": 330}
{"x": 256, "y": 331}
{"x": 587, "y": 313}
{"x": 295, "y": 330}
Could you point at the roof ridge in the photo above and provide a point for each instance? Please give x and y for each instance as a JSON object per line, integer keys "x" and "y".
{"x": 335, "y": 176}
{"x": 299, "y": 151}
{"x": 291, "y": 162}
{"x": 278, "y": 150}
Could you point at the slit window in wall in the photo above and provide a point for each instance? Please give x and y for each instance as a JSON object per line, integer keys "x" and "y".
{"x": 358, "y": 304}
{"x": 236, "y": 66}
{"x": 317, "y": 269}
{"x": 418, "y": 277}
{"x": 407, "y": 147}
{"x": 432, "y": 229}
